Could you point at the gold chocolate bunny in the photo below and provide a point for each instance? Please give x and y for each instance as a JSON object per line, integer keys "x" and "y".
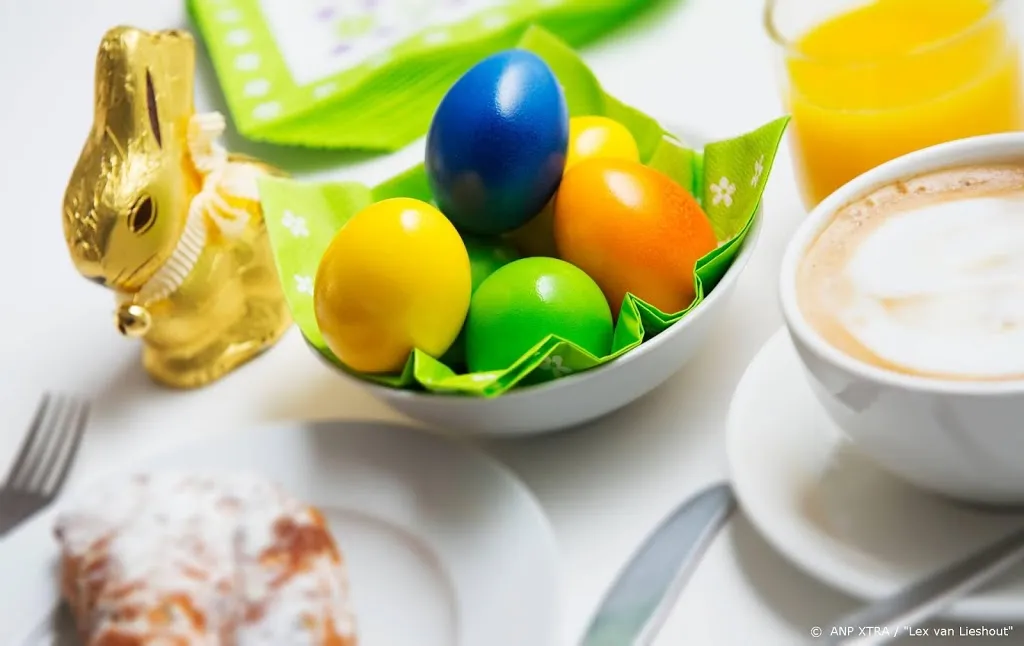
{"x": 160, "y": 213}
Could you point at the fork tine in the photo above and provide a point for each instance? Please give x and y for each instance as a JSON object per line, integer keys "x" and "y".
{"x": 72, "y": 438}
{"x": 29, "y": 441}
{"x": 50, "y": 440}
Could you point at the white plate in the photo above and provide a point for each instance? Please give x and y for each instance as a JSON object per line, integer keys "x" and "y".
{"x": 834, "y": 514}
{"x": 445, "y": 547}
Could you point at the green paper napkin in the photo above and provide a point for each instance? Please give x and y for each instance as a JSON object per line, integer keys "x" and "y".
{"x": 368, "y": 74}
{"x": 728, "y": 177}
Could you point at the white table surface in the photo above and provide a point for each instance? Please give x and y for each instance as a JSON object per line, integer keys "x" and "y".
{"x": 604, "y": 486}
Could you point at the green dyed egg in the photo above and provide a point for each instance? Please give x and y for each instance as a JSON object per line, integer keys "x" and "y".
{"x": 485, "y": 258}
{"x": 520, "y": 304}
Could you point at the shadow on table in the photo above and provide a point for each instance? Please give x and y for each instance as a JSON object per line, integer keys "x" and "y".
{"x": 322, "y": 396}
{"x": 124, "y": 387}
{"x": 572, "y": 464}
{"x": 58, "y": 630}
{"x": 331, "y": 397}
{"x": 803, "y": 602}
{"x": 780, "y": 585}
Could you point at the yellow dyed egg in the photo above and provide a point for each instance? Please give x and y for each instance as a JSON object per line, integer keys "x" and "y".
{"x": 594, "y": 136}
{"x": 590, "y": 137}
{"x": 394, "y": 278}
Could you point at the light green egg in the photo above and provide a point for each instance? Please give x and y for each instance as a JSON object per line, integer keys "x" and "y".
{"x": 522, "y": 303}
{"x": 485, "y": 258}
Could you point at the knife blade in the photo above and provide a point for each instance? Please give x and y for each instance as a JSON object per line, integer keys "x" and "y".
{"x": 927, "y": 597}
{"x": 638, "y": 603}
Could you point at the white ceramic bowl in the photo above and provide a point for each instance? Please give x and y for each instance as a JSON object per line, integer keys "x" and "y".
{"x": 961, "y": 439}
{"x": 582, "y": 397}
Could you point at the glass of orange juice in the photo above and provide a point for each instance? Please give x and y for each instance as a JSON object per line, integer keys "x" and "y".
{"x": 872, "y": 80}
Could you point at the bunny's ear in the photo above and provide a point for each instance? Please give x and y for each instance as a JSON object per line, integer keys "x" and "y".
{"x": 154, "y": 115}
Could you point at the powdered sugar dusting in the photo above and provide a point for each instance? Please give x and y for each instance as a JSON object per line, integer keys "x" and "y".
{"x": 202, "y": 560}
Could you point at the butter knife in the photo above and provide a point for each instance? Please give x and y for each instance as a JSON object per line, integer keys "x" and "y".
{"x": 639, "y": 601}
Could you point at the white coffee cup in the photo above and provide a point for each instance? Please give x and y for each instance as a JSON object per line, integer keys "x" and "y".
{"x": 963, "y": 439}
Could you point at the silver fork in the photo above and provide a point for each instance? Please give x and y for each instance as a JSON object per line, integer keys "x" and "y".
{"x": 44, "y": 459}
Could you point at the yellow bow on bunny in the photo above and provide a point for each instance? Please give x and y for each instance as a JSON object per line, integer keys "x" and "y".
{"x": 158, "y": 211}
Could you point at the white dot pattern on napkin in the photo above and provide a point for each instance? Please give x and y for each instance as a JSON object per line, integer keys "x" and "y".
{"x": 324, "y": 90}
{"x": 722, "y": 192}
{"x": 267, "y": 110}
{"x": 256, "y": 88}
{"x": 295, "y": 224}
{"x": 229, "y": 16}
{"x": 247, "y": 62}
{"x": 495, "y": 20}
{"x": 436, "y": 37}
{"x": 304, "y": 284}
{"x": 238, "y": 37}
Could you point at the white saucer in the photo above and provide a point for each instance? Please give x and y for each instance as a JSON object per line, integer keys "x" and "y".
{"x": 833, "y": 513}
{"x": 445, "y": 547}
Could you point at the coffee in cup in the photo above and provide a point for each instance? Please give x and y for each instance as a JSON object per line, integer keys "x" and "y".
{"x": 925, "y": 276}
{"x": 903, "y": 293}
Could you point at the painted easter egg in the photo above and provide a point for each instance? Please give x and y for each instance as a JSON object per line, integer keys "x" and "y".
{"x": 497, "y": 144}
{"x": 485, "y": 258}
{"x": 394, "y": 278}
{"x": 596, "y": 136}
{"x": 522, "y": 303}
{"x": 536, "y": 237}
{"x": 589, "y": 137}
{"x": 632, "y": 229}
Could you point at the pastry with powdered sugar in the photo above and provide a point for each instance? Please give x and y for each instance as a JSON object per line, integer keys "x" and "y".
{"x": 202, "y": 560}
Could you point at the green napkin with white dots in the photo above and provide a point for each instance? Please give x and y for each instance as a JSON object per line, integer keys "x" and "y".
{"x": 727, "y": 177}
{"x": 368, "y": 74}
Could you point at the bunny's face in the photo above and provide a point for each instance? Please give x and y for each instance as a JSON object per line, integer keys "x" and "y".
{"x": 128, "y": 197}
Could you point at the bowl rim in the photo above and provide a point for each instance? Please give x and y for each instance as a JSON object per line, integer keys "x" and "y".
{"x": 716, "y": 296}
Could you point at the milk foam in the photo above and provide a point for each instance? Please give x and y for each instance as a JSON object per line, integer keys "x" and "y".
{"x": 940, "y": 288}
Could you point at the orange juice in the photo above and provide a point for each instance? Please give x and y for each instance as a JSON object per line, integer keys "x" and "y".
{"x": 893, "y": 76}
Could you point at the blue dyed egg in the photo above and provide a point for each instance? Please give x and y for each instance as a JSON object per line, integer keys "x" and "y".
{"x": 497, "y": 146}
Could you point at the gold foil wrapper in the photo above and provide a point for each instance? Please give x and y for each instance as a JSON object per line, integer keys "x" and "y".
{"x": 159, "y": 213}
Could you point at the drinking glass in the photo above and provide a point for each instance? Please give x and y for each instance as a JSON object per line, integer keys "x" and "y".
{"x": 866, "y": 82}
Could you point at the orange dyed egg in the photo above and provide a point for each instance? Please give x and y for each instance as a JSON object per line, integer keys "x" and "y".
{"x": 632, "y": 229}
